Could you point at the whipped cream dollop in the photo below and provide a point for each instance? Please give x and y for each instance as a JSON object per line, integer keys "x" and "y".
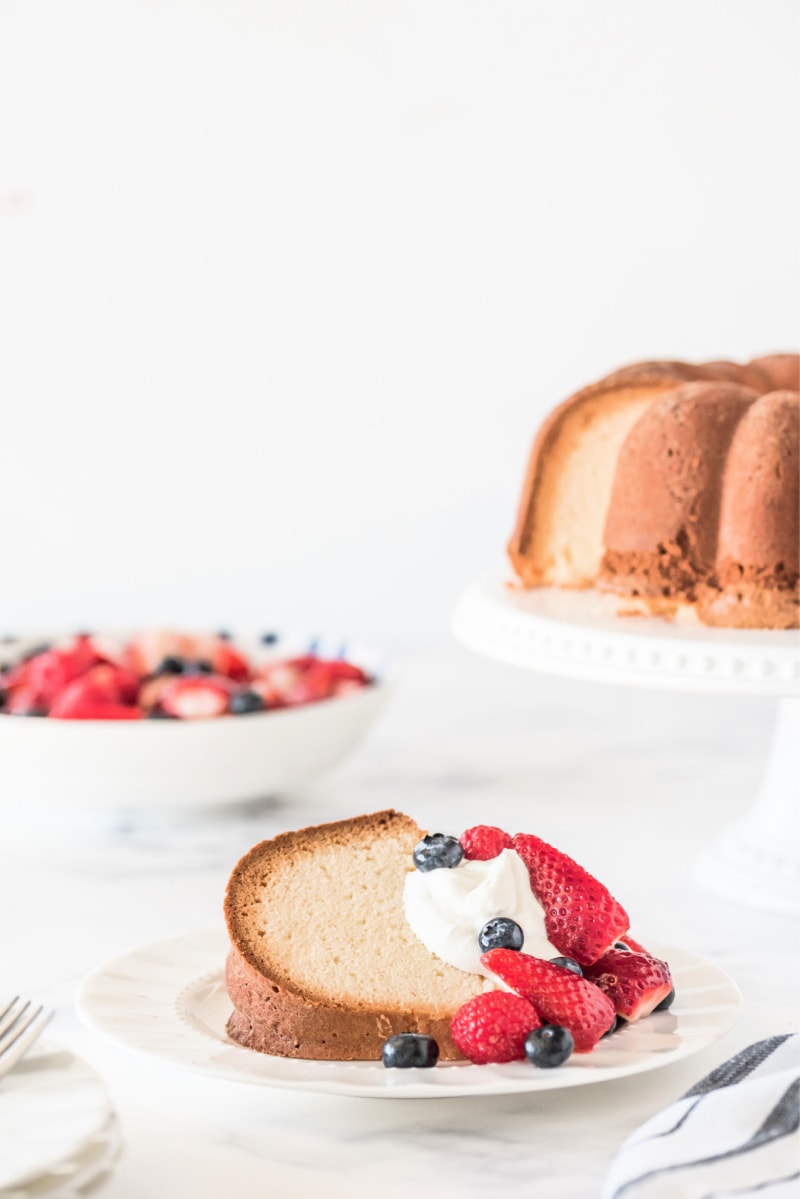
{"x": 447, "y": 908}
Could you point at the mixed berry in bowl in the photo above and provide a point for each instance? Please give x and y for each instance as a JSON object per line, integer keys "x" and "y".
{"x": 163, "y": 674}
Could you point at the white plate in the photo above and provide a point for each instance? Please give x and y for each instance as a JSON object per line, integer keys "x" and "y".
{"x": 170, "y": 764}
{"x": 169, "y": 1001}
{"x": 58, "y": 1131}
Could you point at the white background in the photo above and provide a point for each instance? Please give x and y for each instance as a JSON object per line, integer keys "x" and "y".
{"x": 285, "y": 286}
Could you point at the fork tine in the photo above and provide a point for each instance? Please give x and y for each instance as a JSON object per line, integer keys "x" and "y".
{"x": 14, "y": 1047}
{"x": 8, "y": 1007}
{"x": 17, "y": 1028}
{"x": 12, "y": 1015}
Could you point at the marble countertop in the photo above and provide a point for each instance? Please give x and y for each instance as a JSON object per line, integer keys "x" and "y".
{"x": 633, "y": 784}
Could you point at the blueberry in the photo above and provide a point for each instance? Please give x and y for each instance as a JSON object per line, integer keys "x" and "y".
{"x": 622, "y": 947}
{"x": 198, "y": 666}
{"x": 500, "y": 933}
{"x": 172, "y": 664}
{"x": 269, "y": 638}
{"x": 549, "y": 1045}
{"x": 617, "y": 1022}
{"x": 409, "y": 1049}
{"x": 437, "y": 850}
{"x": 567, "y": 964}
{"x": 244, "y": 702}
{"x": 666, "y": 1002}
{"x": 224, "y": 635}
{"x": 31, "y": 712}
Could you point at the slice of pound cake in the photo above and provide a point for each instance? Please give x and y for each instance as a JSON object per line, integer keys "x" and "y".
{"x": 323, "y": 963}
{"x": 368, "y": 939}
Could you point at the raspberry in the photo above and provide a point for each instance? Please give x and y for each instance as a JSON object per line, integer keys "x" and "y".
{"x": 493, "y": 1026}
{"x": 557, "y": 994}
{"x": 484, "y": 841}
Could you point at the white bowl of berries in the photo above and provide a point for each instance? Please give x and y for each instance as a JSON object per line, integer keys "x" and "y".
{"x": 166, "y": 719}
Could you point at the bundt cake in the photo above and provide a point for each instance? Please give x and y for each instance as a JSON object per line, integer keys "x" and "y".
{"x": 323, "y": 963}
{"x": 675, "y": 485}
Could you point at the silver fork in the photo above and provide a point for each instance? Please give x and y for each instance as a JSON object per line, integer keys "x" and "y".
{"x": 20, "y": 1026}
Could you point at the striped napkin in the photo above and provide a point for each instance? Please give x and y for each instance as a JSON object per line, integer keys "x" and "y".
{"x": 735, "y": 1134}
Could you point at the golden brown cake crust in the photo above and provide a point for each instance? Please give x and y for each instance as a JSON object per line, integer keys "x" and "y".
{"x": 681, "y": 526}
{"x": 663, "y": 516}
{"x": 273, "y": 1015}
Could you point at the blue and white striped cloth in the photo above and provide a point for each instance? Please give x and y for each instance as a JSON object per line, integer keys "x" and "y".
{"x": 733, "y": 1135}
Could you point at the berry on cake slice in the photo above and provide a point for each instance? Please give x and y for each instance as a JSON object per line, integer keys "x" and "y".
{"x": 636, "y": 983}
{"x": 559, "y": 996}
{"x": 483, "y": 842}
{"x": 493, "y": 1026}
{"x": 581, "y": 916}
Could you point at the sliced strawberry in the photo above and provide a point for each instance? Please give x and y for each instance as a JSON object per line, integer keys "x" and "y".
{"x": 118, "y": 684}
{"x": 492, "y": 1027}
{"x": 559, "y": 995}
{"x": 347, "y": 687}
{"x": 484, "y": 841}
{"x": 145, "y": 652}
{"x": 196, "y": 697}
{"x": 634, "y": 946}
{"x": 271, "y": 695}
{"x": 229, "y": 661}
{"x": 634, "y": 982}
{"x": 314, "y": 683}
{"x": 582, "y": 918}
{"x": 23, "y": 701}
{"x": 342, "y": 669}
{"x": 274, "y": 682}
{"x": 47, "y": 673}
{"x": 82, "y": 699}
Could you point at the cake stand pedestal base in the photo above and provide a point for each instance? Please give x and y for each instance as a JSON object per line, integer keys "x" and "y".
{"x": 579, "y": 635}
{"x": 757, "y": 860}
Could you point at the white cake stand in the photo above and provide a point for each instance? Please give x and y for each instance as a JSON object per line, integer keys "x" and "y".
{"x": 578, "y": 634}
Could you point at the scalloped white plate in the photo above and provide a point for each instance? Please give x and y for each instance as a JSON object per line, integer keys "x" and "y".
{"x": 580, "y": 634}
{"x": 168, "y": 1000}
{"x": 58, "y": 1130}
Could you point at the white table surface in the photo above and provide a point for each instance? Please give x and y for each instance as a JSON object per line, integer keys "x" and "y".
{"x": 633, "y": 784}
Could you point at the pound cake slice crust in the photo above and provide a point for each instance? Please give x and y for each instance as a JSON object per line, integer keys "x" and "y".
{"x": 323, "y": 963}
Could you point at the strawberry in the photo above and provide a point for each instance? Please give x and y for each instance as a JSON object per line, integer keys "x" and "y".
{"x": 559, "y": 995}
{"x": 83, "y": 699}
{"x": 144, "y": 652}
{"x": 342, "y": 670}
{"x": 47, "y": 673}
{"x": 196, "y": 697}
{"x": 314, "y": 683}
{"x": 483, "y": 842}
{"x": 23, "y": 701}
{"x": 492, "y": 1027}
{"x": 634, "y": 946}
{"x": 581, "y": 917}
{"x": 634, "y": 982}
{"x": 228, "y": 661}
{"x": 346, "y": 687}
{"x": 118, "y": 684}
